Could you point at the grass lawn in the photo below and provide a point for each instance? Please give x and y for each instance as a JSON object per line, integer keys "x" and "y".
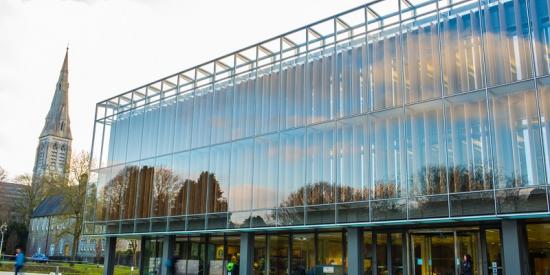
{"x": 65, "y": 268}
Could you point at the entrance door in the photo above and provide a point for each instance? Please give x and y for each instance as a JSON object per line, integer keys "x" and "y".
{"x": 440, "y": 253}
{"x": 433, "y": 254}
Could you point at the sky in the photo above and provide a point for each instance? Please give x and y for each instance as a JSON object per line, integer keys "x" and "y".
{"x": 115, "y": 46}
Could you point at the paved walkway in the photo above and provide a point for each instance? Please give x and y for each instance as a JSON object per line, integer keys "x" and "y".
{"x": 22, "y": 273}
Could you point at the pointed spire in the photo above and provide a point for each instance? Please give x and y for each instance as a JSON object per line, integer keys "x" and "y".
{"x": 57, "y": 121}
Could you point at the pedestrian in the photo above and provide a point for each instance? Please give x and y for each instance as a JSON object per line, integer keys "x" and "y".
{"x": 19, "y": 260}
{"x": 467, "y": 265}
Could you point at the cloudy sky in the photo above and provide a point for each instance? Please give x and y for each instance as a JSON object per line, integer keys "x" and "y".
{"x": 116, "y": 46}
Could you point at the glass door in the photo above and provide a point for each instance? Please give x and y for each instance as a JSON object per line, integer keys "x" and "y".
{"x": 441, "y": 253}
{"x": 433, "y": 254}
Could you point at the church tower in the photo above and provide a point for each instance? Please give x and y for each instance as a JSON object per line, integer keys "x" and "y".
{"x": 54, "y": 144}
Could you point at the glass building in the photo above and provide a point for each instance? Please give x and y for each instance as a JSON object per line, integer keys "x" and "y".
{"x": 392, "y": 138}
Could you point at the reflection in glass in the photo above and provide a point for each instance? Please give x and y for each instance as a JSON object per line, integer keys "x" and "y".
{"x": 507, "y": 48}
{"x": 240, "y": 189}
{"x": 291, "y": 168}
{"x": 146, "y": 177}
{"x": 243, "y": 109}
{"x": 162, "y": 181}
{"x": 517, "y": 142}
{"x": 293, "y": 110}
{"x": 318, "y": 87}
{"x": 219, "y": 181}
{"x": 387, "y": 155}
{"x": 461, "y": 50}
{"x": 184, "y": 121}
{"x": 468, "y": 151}
{"x": 425, "y": 149}
{"x": 353, "y": 160}
{"x": 541, "y": 34}
{"x": 198, "y": 174}
{"x": 221, "y": 113}
{"x": 350, "y": 95}
{"x": 259, "y": 263}
{"x": 321, "y": 166}
{"x": 266, "y": 160}
{"x": 421, "y": 59}
{"x": 267, "y": 103}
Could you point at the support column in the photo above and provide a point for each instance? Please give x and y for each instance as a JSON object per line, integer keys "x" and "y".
{"x": 109, "y": 256}
{"x": 247, "y": 251}
{"x": 168, "y": 244}
{"x": 355, "y": 251}
{"x": 512, "y": 247}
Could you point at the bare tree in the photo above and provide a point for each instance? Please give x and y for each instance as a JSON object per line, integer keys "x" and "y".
{"x": 73, "y": 190}
{"x": 133, "y": 246}
{"x": 3, "y": 174}
{"x": 33, "y": 195}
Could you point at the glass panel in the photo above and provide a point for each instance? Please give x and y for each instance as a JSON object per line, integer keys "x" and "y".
{"x": 303, "y": 252}
{"x": 350, "y": 95}
{"x": 162, "y": 181}
{"x": 384, "y": 70}
{"x": 544, "y": 101}
{"x": 425, "y": 147}
{"x": 267, "y": 103}
{"x": 321, "y": 166}
{"x": 433, "y": 254}
{"x": 293, "y": 110}
{"x": 541, "y": 34}
{"x": 102, "y": 195}
{"x": 166, "y": 126}
{"x": 240, "y": 189}
{"x": 472, "y": 203}
{"x": 198, "y": 175}
{"x": 494, "y": 251}
{"x": 278, "y": 255}
{"x": 397, "y": 253}
{"x": 421, "y": 58}
{"x": 181, "y": 254}
{"x": 243, "y": 109}
{"x": 197, "y": 256}
{"x": 221, "y": 114}
{"x": 216, "y": 263}
{"x": 184, "y": 122}
{"x": 233, "y": 244}
{"x": 152, "y": 256}
{"x": 118, "y": 139}
{"x": 202, "y": 117}
{"x": 180, "y": 184}
{"x": 467, "y": 132}
{"x": 468, "y": 244}
{"x": 387, "y": 155}
{"x": 507, "y": 42}
{"x": 530, "y": 199}
{"x": 259, "y": 264}
{"x": 319, "y": 88}
{"x": 382, "y": 253}
{"x": 367, "y": 246}
{"x": 353, "y": 160}
{"x": 266, "y": 161}
{"x": 116, "y": 185}
{"x": 146, "y": 178}
{"x": 291, "y": 169}
{"x": 461, "y": 49}
{"x": 130, "y": 191}
{"x": 218, "y": 184}
{"x": 538, "y": 243}
{"x": 330, "y": 251}
{"x": 150, "y": 130}
{"x": 517, "y": 141}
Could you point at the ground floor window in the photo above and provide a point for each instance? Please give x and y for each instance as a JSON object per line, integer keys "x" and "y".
{"x": 538, "y": 244}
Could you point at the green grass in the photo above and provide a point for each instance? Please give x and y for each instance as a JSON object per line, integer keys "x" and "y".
{"x": 66, "y": 268}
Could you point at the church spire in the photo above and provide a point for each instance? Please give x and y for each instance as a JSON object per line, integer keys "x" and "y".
{"x": 57, "y": 121}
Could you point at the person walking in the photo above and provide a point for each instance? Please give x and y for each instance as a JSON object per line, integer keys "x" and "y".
{"x": 19, "y": 260}
{"x": 467, "y": 266}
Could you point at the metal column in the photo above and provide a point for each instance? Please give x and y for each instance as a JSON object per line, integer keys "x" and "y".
{"x": 512, "y": 247}
{"x": 109, "y": 256}
{"x": 247, "y": 251}
{"x": 355, "y": 251}
{"x": 168, "y": 245}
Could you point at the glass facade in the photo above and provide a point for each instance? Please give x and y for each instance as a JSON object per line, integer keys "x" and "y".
{"x": 390, "y": 111}
{"x": 399, "y": 137}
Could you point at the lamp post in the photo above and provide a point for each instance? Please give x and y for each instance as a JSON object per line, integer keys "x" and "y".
{"x": 3, "y": 229}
